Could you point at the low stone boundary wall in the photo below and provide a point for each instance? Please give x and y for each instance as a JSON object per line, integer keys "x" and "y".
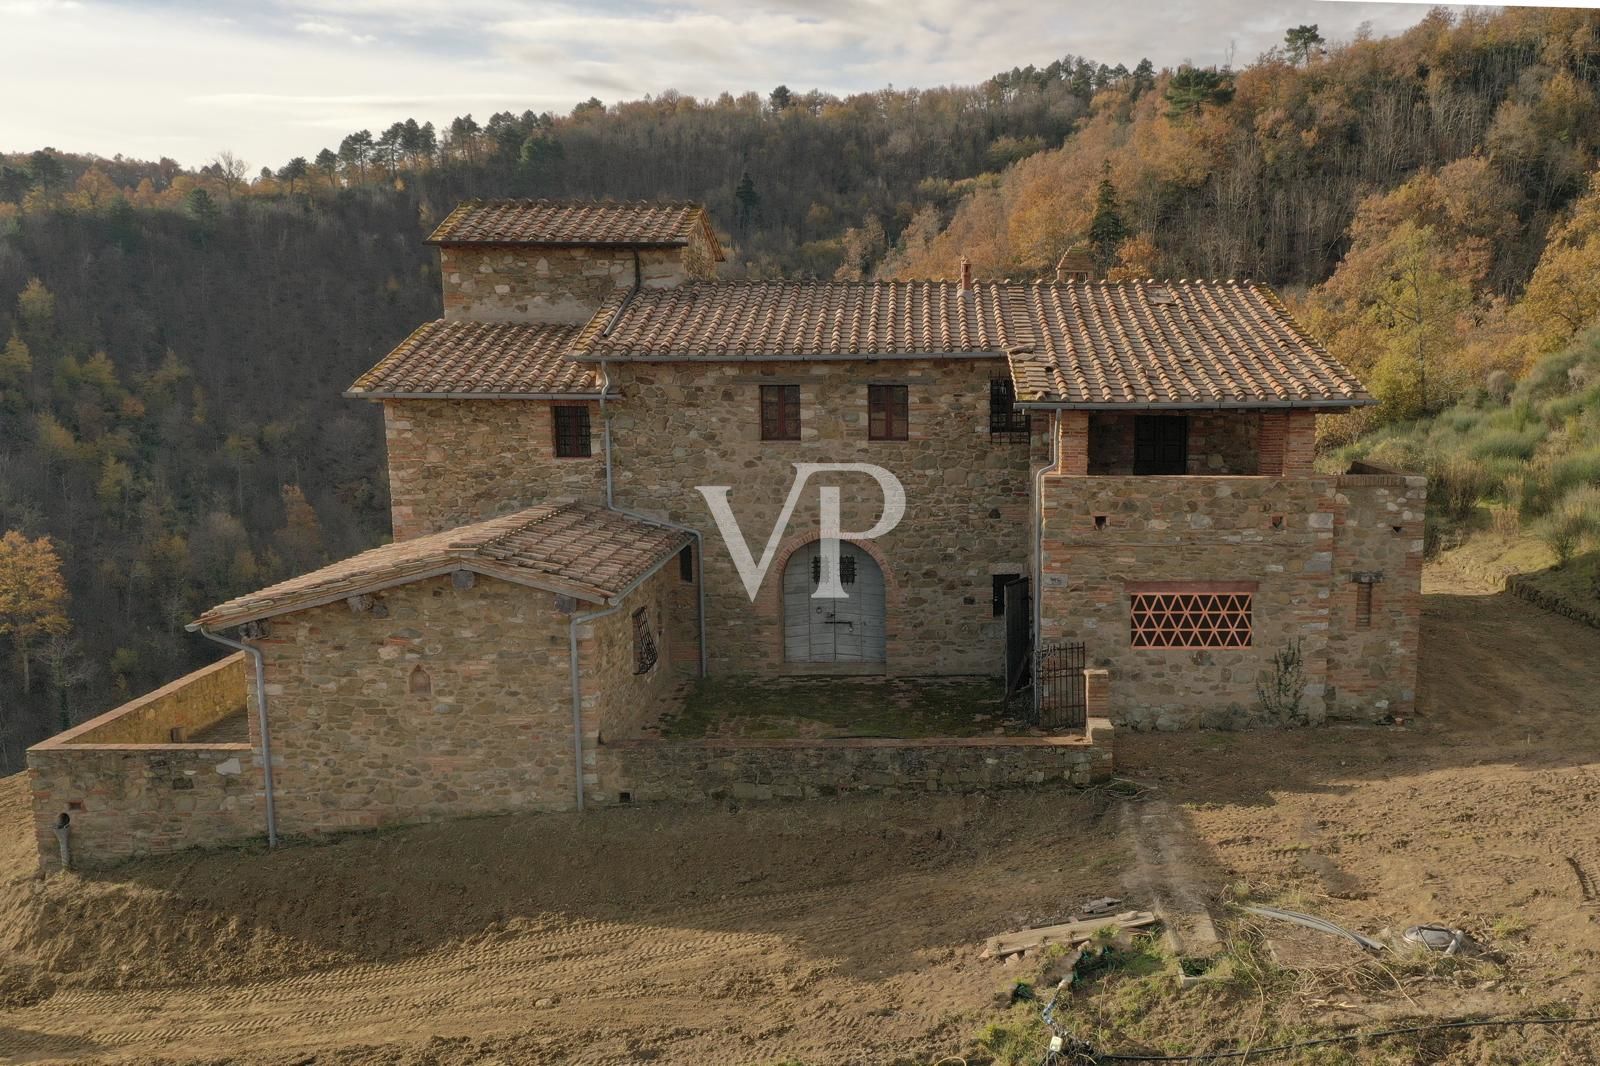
{"x": 126, "y": 797}
{"x": 191, "y": 703}
{"x": 650, "y": 770}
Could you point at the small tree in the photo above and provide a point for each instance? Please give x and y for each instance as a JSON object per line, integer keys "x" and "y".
{"x": 1107, "y": 231}
{"x": 780, "y": 98}
{"x": 292, "y": 171}
{"x": 33, "y": 597}
{"x": 1192, "y": 88}
{"x": 749, "y": 199}
{"x": 1303, "y": 43}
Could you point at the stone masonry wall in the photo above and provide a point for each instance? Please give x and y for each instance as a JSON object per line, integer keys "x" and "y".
{"x": 457, "y": 461}
{"x": 528, "y": 283}
{"x": 1189, "y": 529}
{"x": 967, "y": 512}
{"x": 189, "y": 704}
{"x": 702, "y": 770}
{"x": 143, "y": 799}
{"x": 456, "y": 703}
{"x": 1372, "y": 668}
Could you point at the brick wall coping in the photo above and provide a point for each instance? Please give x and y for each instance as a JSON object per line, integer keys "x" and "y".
{"x": 1376, "y": 481}
{"x": 850, "y": 743}
{"x": 69, "y": 739}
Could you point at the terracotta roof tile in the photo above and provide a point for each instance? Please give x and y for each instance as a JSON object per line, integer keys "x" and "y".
{"x": 798, "y": 318}
{"x": 1174, "y": 343}
{"x": 482, "y": 359}
{"x": 1074, "y": 343}
{"x": 580, "y": 549}
{"x": 637, "y": 223}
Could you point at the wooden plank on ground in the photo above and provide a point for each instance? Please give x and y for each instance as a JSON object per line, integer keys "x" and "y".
{"x": 1065, "y": 933}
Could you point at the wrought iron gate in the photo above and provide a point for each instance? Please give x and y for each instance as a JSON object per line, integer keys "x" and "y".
{"x": 1061, "y": 700}
{"x": 1019, "y": 635}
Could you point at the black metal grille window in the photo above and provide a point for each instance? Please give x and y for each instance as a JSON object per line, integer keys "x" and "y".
{"x": 780, "y": 412}
{"x": 1006, "y": 423}
{"x": 1000, "y": 583}
{"x": 1160, "y": 444}
{"x": 888, "y": 412}
{"x": 847, "y": 570}
{"x": 644, "y": 643}
{"x": 572, "y": 432}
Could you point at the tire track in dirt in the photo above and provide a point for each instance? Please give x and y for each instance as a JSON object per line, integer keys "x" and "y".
{"x": 479, "y": 980}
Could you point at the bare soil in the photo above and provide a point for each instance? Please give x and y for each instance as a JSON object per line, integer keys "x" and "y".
{"x": 848, "y": 931}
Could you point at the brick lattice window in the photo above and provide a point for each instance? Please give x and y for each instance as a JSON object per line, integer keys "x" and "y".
{"x": 780, "y": 412}
{"x": 1006, "y": 423}
{"x": 1195, "y": 616}
{"x": 644, "y": 643}
{"x": 572, "y": 432}
{"x": 1364, "y": 605}
{"x": 888, "y": 412}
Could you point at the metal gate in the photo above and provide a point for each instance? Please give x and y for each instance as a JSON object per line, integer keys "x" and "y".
{"x": 1019, "y": 634}
{"x": 1061, "y": 700}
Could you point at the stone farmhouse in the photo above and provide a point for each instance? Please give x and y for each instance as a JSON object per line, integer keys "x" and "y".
{"x": 1120, "y": 468}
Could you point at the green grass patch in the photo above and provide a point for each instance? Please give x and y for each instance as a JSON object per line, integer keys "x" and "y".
{"x": 788, "y": 708}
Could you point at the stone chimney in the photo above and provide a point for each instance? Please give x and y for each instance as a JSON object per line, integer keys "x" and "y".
{"x": 1075, "y": 264}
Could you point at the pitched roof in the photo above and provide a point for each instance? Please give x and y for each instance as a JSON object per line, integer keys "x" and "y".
{"x": 579, "y": 549}
{"x": 480, "y": 359}
{"x": 1172, "y": 343}
{"x": 628, "y": 223}
{"x": 1073, "y": 344}
{"x": 785, "y": 319}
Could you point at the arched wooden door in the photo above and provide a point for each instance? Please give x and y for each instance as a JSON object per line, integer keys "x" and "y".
{"x": 829, "y": 629}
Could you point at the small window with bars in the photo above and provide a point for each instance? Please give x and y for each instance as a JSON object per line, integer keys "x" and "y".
{"x": 780, "y": 412}
{"x": 572, "y": 432}
{"x": 847, "y": 570}
{"x": 644, "y": 643}
{"x": 1006, "y": 423}
{"x": 1198, "y": 616}
{"x": 888, "y": 412}
{"x": 686, "y": 563}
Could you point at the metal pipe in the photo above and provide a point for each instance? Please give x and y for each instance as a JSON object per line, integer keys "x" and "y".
{"x": 261, "y": 719}
{"x": 1038, "y": 554}
{"x": 64, "y": 839}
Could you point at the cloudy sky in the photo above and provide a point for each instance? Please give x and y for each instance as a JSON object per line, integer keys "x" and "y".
{"x": 271, "y": 79}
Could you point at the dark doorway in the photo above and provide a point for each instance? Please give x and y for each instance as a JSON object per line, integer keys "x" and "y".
{"x": 1160, "y": 444}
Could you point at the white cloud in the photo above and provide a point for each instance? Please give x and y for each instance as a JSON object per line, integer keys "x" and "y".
{"x": 278, "y": 78}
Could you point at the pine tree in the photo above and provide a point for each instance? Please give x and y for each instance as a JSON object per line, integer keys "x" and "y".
{"x": 748, "y": 199}
{"x": 1107, "y": 230}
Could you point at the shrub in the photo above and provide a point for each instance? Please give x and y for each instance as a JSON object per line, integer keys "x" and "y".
{"x": 1574, "y": 521}
{"x": 1458, "y": 483}
{"x": 1498, "y": 385}
{"x": 1397, "y": 453}
{"x": 1506, "y": 443}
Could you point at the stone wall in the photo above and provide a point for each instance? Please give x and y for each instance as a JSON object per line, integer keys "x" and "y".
{"x": 456, "y": 703}
{"x": 1298, "y": 542}
{"x": 188, "y": 705}
{"x": 1275, "y": 532}
{"x": 1372, "y": 667}
{"x": 127, "y": 800}
{"x": 641, "y": 771}
{"x": 458, "y": 461}
{"x": 529, "y": 283}
{"x": 682, "y": 425}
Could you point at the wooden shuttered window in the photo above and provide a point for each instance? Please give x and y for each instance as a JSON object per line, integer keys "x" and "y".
{"x": 780, "y": 412}
{"x": 888, "y": 412}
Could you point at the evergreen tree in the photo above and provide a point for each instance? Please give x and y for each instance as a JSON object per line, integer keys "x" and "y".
{"x": 1302, "y": 43}
{"x": 748, "y": 199}
{"x": 1106, "y": 229}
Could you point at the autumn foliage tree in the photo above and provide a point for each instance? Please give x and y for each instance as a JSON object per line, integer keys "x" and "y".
{"x": 33, "y": 597}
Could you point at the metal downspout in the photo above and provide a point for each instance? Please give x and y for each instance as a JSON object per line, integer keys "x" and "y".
{"x": 1038, "y": 553}
{"x": 261, "y": 719}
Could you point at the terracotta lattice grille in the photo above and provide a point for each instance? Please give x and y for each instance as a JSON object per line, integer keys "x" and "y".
{"x": 1191, "y": 619}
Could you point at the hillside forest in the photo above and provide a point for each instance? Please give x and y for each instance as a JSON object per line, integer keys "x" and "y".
{"x": 174, "y": 341}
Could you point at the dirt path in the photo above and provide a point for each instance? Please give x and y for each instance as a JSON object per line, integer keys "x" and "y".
{"x": 841, "y": 932}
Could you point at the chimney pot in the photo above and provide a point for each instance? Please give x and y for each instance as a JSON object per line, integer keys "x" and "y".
{"x": 966, "y": 274}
